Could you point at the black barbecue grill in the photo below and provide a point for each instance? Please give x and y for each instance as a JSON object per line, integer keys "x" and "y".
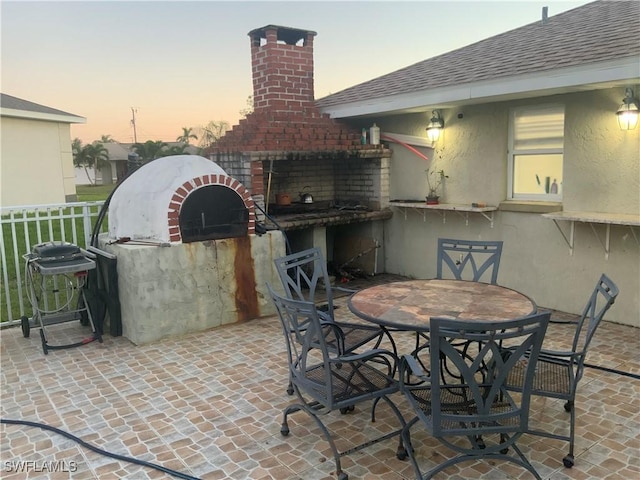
{"x": 55, "y": 274}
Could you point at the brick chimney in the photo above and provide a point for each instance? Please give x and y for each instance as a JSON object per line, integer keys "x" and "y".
{"x": 285, "y": 117}
{"x": 282, "y": 69}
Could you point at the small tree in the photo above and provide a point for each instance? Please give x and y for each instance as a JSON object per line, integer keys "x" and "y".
{"x": 434, "y": 180}
{"x": 212, "y": 132}
{"x": 249, "y": 108}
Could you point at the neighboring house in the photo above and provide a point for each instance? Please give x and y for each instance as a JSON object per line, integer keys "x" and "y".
{"x": 37, "y": 163}
{"x": 530, "y": 127}
{"x": 112, "y": 171}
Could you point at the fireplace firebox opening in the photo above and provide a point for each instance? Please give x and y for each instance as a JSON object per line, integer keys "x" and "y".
{"x": 213, "y": 212}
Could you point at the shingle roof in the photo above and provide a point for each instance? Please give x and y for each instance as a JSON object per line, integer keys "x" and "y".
{"x": 599, "y": 31}
{"x": 15, "y": 103}
{"x": 116, "y": 151}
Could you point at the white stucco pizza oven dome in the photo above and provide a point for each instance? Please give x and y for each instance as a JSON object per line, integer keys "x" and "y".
{"x": 180, "y": 198}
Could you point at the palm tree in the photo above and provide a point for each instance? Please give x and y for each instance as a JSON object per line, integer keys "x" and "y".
{"x": 150, "y": 150}
{"x": 76, "y": 145}
{"x": 80, "y": 156}
{"x": 106, "y": 139}
{"x": 187, "y": 135}
{"x": 96, "y": 156}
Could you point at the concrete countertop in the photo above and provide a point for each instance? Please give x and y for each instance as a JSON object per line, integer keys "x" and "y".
{"x": 297, "y": 221}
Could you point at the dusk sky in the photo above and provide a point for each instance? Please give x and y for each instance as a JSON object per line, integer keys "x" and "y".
{"x": 182, "y": 64}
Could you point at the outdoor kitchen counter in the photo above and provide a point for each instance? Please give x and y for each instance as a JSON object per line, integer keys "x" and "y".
{"x": 297, "y": 221}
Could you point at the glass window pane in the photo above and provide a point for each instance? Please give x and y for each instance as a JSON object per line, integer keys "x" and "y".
{"x": 540, "y": 128}
{"x": 537, "y": 174}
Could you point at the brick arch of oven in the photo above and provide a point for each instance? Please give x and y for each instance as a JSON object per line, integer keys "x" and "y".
{"x": 188, "y": 187}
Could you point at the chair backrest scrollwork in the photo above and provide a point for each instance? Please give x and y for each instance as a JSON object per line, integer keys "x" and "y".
{"x": 304, "y": 276}
{"x": 474, "y": 400}
{"x": 473, "y": 260}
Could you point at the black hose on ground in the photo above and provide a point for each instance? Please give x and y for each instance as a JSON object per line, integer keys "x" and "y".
{"x": 99, "y": 450}
{"x": 613, "y": 370}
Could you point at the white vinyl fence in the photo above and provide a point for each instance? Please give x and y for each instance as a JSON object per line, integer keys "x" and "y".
{"x": 23, "y": 227}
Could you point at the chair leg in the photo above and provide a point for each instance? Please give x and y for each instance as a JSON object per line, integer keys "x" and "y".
{"x": 568, "y": 461}
{"x": 568, "y": 406}
{"x": 523, "y": 461}
{"x": 373, "y": 410}
{"x": 406, "y": 438}
{"x": 345, "y": 410}
{"x": 386, "y": 333}
{"x": 284, "y": 430}
{"x": 503, "y": 439}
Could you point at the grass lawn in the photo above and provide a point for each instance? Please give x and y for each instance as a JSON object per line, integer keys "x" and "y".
{"x": 93, "y": 193}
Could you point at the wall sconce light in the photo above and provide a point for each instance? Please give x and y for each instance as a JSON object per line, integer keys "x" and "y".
{"x": 628, "y": 111}
{"x": 435, "y": 126}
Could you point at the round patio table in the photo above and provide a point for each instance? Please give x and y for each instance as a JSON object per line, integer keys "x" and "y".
{"x": 409, "y": 305}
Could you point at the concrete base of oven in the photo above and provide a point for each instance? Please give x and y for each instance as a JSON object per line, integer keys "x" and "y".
{"x": 185, "y": 288}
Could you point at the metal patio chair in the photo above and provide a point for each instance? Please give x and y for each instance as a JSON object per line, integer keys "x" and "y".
{"x": 473, "y": 260}
{"x": 558, "y": 372}
{"x": 325, "y": 380}
{"x": 471, "y": 411}
{"x": 304, "y": 277}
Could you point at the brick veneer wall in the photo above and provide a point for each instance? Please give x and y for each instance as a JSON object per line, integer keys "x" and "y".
{"x": 366, "y": 180}
{"x": 363, "y": 177}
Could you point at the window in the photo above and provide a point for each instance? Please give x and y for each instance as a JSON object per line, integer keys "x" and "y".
{"x": 536, "y": 146}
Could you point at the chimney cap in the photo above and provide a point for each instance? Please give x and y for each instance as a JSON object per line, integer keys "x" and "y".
{"x": 288, "y": 35}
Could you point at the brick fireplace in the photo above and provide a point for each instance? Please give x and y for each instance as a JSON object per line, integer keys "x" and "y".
{"x": 287, "y": 144}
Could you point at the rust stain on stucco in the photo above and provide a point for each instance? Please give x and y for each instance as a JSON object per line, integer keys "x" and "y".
{"x": 246, "y": 295}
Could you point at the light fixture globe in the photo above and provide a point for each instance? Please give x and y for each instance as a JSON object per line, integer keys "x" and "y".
{"x": 628, "y": 112}
{"x": 435, "y": 126}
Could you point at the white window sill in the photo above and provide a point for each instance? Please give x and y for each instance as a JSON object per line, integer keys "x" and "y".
{"x": 528, "y": 206}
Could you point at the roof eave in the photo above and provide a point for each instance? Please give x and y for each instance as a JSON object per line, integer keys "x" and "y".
{"x": 611, "y": 73}
{"x": 50, "y": 117}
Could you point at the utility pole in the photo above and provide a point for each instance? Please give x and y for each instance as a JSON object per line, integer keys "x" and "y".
{"x": 133, "y": 123}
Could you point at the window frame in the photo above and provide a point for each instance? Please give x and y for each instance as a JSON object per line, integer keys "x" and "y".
{"x": 512, "y": 153}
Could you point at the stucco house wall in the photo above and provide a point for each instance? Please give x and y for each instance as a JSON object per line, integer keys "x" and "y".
{"x": 37, "y": 162}
{"x": 601, "y": 174}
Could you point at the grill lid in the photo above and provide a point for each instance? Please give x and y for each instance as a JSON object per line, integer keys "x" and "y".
{"x": 55, "y": 252}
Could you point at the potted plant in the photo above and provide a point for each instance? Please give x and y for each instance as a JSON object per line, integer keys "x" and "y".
{"x": 434, "y": 181}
